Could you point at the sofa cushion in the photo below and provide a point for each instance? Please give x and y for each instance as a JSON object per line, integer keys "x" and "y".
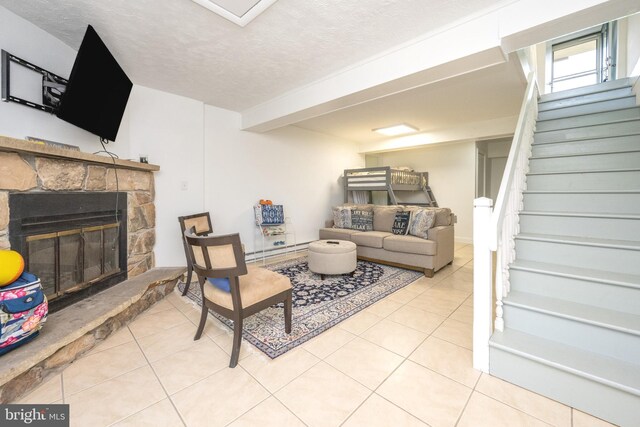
{"x": 337, "y": 233}
{"x": 409, "y": 244}
{"x": 401, "y": 223}
{"x": 383, "y": 217}
{"x": 362, "y": 219}
{"x": 372, "y": 239}
{"x": 421, "y": 221}
{"x": 342, "y": 217}
{"x": 443, "y": 215}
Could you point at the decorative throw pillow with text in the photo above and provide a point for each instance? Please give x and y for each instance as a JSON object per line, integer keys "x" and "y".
{"x": 401, "y": 223}
{"x": 361, "y": 220}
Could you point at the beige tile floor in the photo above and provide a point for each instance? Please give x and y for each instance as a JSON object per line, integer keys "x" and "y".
{"x": 404, "y": 361}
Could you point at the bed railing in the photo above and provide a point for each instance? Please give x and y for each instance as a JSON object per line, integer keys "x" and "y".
{"x": 375, "y": 179}
{"x": 494, "y": 231}
{"x": 383, "y": 178}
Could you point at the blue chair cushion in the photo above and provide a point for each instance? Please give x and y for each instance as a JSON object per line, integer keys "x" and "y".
{"x": 222, "y": 284}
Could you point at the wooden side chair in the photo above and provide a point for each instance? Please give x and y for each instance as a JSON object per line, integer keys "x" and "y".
{"x": 230, "y": 288}
{"x": 201, "y": 223}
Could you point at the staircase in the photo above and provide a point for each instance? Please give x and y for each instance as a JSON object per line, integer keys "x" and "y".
{"x": 572, "y": 317}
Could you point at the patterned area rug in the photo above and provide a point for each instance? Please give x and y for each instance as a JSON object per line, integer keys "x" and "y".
{"x": 317, "y": 304}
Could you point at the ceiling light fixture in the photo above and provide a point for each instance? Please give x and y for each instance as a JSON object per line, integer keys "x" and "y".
{"x": 240, "y": 12}
{"x": 395, "y": 130}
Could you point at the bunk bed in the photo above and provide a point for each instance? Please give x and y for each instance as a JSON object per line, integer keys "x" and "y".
{"x": 386, "y": 178}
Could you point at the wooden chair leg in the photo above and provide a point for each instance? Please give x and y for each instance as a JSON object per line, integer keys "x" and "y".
{"x": 287, "y": 313}
{"x": 237, "y": 341}
{"x": 186, "y": 285}
{"x": 203, "y": 321}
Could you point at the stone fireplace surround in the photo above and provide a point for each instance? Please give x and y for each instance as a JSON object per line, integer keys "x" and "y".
{"x": 30, "y": 167}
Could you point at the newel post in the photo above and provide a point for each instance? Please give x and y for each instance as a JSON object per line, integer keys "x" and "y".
{"x": 482, "y": 282}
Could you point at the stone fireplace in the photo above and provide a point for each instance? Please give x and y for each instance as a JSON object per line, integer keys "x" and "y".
{"x": 102, "y": 213}
{"x": 75, "y": 242}
{"x": 81, "y": 222}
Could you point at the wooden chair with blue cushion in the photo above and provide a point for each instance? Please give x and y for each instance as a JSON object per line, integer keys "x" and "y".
{"x": 201, "y": 222}
{"x": 231, "y": 289}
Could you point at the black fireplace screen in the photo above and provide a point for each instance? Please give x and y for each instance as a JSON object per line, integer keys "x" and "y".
{"x": 72, "y": 259}
{"x": 74, "y": 242}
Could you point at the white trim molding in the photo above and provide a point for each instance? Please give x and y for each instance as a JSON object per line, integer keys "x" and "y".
{"x": 243, "y": 20}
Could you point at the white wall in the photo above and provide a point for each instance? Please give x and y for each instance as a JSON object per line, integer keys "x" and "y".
{"x": 633, "y": 43}
{"x": 24, "y": 40}
{"x": 482, "y": 169}
{"x": 452, "y": 172}
{"x": 226, "y": 170}
{"x": 294, "y": 167}
{"x": 497, "y": 166}
{"x": 169, "y": 129}
{"x": 498, "y": 152}
{"x": 499, "y": 147}
{"x": 208, "y": 164}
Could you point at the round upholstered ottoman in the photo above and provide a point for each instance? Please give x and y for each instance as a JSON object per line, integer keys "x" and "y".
{"x": 332, "y": 257}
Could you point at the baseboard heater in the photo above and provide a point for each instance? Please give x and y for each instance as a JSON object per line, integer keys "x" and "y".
{"x": 273, "y": 252}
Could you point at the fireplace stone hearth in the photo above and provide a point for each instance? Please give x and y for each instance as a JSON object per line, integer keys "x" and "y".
{"x": 75, "y": 330}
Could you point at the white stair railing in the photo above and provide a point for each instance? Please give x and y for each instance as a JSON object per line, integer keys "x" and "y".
{"x": 494, "y": 230}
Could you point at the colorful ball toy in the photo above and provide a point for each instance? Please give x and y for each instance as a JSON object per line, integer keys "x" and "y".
{"x": 11, "y": 266}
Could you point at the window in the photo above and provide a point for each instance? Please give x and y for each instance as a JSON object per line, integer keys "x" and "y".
{"x": 580, "y": 60}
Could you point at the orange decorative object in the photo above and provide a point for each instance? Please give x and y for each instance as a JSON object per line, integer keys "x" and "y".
{"x": 265, "y": 202}
{"x": 11, "y": 266}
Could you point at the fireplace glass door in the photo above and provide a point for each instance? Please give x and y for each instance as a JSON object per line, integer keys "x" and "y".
{"x": 72, "y": 259}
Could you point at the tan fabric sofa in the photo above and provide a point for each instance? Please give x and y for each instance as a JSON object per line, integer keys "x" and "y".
{"x": 406, "y": 251}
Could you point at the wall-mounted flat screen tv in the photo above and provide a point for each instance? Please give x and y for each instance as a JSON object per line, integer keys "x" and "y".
{"x": 98, "y": 89}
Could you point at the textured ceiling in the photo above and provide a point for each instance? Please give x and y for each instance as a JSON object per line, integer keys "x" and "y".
{"x": 179, "y": 47}
{"x": 488, "y": 94}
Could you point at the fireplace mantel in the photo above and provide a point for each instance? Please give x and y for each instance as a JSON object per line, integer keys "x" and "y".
{"x": 29, "y": 147}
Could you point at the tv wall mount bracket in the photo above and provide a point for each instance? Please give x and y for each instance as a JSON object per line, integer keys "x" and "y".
{"x": 53, "y": 86}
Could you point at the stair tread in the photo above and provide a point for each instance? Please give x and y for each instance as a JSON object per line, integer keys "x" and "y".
{"x": 608, "y": 277}
{"x": 539, "y": 132}
{"x": 597, "y": 113}
{"x": 581, "y": 140}
{"x": 585, "y": 90}
{"x": 606, "y": 370}
{"x": 584, "y": 171}
{"x": 593, "y": 153}
{"x": 611, "y": 319}
{"x": 609, "y": 215}
{"x": 546, "y": 109}
{"x": 585, "y": 241}
{"x": 581, "y": 191}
